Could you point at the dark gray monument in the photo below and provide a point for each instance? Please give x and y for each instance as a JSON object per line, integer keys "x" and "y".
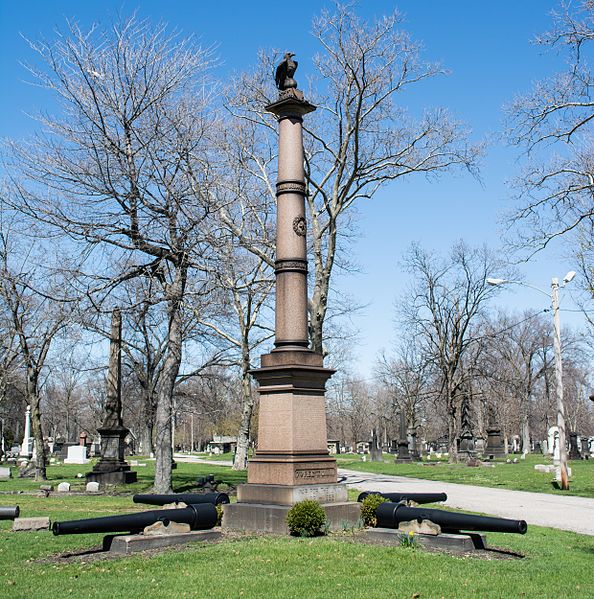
{"x": 112, "y": 468}
{"x": 466, "y": 446}
{"x": 574, "y": 452}
{"x": 403, "y": 451}
{"x": 495, "y": 447}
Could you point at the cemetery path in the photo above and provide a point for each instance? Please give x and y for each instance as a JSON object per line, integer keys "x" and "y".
{"x": 542, "y": 509}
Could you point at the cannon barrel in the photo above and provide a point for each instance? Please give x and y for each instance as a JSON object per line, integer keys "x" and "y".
{"x": 200, "y": 517}
{"x": 416, "y": 497}
{"x": 389, "y": 515}
{"x": 9, "y": 512}
{"x": 187, "y": 498}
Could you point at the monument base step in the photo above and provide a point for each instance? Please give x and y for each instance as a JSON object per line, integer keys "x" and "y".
{"x": 273, "y": 518}
{"x": 115, "y": 477}
{"x": 454, "y": 543}
{"x": 131, "y": 543}
{"x": 291, "y": 494}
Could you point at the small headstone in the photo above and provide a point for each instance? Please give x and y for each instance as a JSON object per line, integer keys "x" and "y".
{"x": 92, "y": 487}
{"x": 63, "y": 487}
{"x": 80, "y": 475}
{"x": 5, "y": 473}
{"x": 46, "y": 487}
{"x": 41, "y": 523}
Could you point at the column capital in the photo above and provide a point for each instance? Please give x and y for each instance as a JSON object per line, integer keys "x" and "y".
{"x": 290, "y": 103}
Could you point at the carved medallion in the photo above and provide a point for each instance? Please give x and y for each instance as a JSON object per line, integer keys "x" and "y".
{"x": 299, "y": 226}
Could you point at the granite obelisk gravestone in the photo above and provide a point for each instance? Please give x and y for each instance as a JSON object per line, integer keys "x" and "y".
{"x": 292, "y": 461}
{"x": 27, "y": 444}
{"x": 112, "y": 468}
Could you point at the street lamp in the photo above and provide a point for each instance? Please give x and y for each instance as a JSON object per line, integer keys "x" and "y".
{"x": 554, "y": 297}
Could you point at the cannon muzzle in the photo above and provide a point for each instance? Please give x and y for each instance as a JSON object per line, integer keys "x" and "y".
{"x": 416, "y": 497}
{"x": 9, "y": 512}
{"x": 187, "y": 498}
{"x": 200, "y": 517}
{"x": 389, "y": 515}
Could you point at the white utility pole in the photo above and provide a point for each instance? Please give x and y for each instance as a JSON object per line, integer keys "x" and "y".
{"x": 559, "y": 384}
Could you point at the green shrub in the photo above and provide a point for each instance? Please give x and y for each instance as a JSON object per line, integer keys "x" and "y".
{"x": 219, "y": 507}
{"x": 306, "y": 518}
{"x": 368, "y": 507}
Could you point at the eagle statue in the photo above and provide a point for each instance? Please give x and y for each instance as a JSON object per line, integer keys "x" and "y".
{"x": 285, "y": 71}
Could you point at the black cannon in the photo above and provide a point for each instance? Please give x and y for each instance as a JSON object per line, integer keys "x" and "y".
{"x": 9, "y": 512}
{"x": 416, "y": 497}
{"x": 200, "y": 517}
{"x": 187, "y": 498}
{"x": 389, "y": 515}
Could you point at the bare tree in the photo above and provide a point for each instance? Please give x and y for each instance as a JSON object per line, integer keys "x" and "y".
{"x": 447, "y": 297}
{"x": 26, "y": 290}
{"x": 124, "y": 170}
{"x": 553, "y": 123}
{"x": 360, "y": 138}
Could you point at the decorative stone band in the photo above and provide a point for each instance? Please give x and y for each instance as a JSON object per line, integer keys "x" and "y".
{"x": 290, "y": 265}
{"x": 290, "y": 186}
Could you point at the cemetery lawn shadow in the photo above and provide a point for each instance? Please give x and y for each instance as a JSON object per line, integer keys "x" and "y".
{"x": 518, "y": 477}
{"x": 556, "y": 563}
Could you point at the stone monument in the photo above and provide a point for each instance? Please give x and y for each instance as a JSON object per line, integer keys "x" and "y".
{"x": 574, "y": 451}
{"x": 495, "y": 446}
{"x": 466, "y": 447}
{"x": 403, "y": 451}
{"x": 27, "y": 444}
{"x": 112, "y": 468}
{"x": 292, "y": 462}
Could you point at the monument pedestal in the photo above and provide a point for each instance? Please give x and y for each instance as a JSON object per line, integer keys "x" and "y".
{"x": 292, "y": 462}
{"x": 112, "y": 469}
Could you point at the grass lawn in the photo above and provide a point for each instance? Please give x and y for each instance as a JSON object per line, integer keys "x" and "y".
{"x": 556, "y": 564}
{"x": 520, "y": 476}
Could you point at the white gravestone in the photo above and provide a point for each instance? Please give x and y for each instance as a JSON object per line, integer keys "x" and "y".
{"x": 77, "y": 454}
{"x": 27, "y": 444}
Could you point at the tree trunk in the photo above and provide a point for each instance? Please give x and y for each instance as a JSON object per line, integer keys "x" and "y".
{"x": 247, "y": 408}
{"x": 163, "y": 449}
{"x": 525, "y": 433}
{"x": 40, "y": 461}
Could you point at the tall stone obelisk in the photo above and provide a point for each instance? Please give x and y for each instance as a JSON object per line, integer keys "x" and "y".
{"x": 292, "y": 461}
{"x": 112, "y": 468}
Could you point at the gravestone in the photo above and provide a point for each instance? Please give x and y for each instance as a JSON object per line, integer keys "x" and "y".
{"x": 63, "y": 487}
{"x": 5, "y": 473}
{"x": 27, "y": 444}
{"x": 77, "y": 454}
{"x": 375, "y": 449}
{"x": 466, "y": 445}
{"x": 574, "y": 452}
{"x": 92, "y": 487}
{"x": 495, "y": 446}
{"x": 112, "y": 468}
{"x": 403, "y": 456}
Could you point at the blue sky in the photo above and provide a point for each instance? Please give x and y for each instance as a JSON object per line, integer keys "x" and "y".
{"x": 486, "y": 46}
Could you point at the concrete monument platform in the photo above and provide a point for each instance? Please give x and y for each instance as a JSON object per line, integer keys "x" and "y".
{"x": 272, "y": 518}
{"x": 124, "y": 544}
{"x": 455, "y": 543}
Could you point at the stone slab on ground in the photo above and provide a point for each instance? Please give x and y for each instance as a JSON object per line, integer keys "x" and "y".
{"x": 273, "y": 518}
{"x": 123, "y": 544}
{"x": 22, "y": 524}
{"x": 454, "y": 543}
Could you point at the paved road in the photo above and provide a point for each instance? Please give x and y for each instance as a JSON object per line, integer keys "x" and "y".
{"x": 543, "y": 509}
